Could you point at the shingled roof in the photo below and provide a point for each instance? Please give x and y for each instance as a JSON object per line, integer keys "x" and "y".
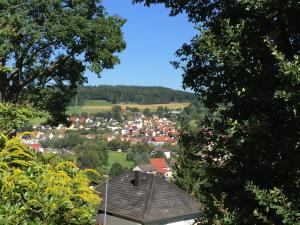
{"x": 153, "y": 199}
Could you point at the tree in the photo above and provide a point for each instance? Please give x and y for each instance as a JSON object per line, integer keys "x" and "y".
{"x": 159, "y": 154}
{"x": 133, "y": 109}
{"x": 147, "y": 112}
{"x": 174, "y": 148}
{"x": 69, "y": 141}
{"x": 160, "y": 111}
{"x": 274, "y": 200}
{"x": 84, "y": 114}
{"x": 45, "y": 46}
{"x": 116, "y": 170}
{"x": 117, "y": 113}
{"x": 92, "y": 155}
{"x": 140, "y": 153}
{"x": 14, "y": 117}
{"x": 116, "y": 144}
{"x": 246, "y": 59}
{"x": 137, "y": 94}
{"x": 41, "y": 188}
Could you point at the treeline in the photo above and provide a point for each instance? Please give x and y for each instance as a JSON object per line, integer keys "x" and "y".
{"x": 136, "y": 94}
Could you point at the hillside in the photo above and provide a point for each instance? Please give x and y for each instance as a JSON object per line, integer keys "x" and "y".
{"x": 131, "y": 94}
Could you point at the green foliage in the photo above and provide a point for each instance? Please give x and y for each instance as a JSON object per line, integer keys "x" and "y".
{"x": 45, "y": 47}
{"x": 147, "y": 112}
{"x": 42, "y": 189}
{"x": 160, "y": 111}
{"x": 69, "y": 141}
{"x": 224, "y": 215}
{"x": 92, "y": 155}
{"x": 116, "y": 170}
{"x": 120, "y": 158}
{"x": 274, "y": 201}
{"x": 97, "y": 103}
{"x": 117, "y": 144}
{"x": 159, "y": 154}
{"x": 117, "y": 113}
{"x": 133, "y": 109}
{"x": 197, "y": 111}
{"x": 245, "y": 65}
{"x": 16, "y": 116}
{"x": 140, "y": 153}
{"x": 136, "y": 94}
{"x": 190, "y": 171}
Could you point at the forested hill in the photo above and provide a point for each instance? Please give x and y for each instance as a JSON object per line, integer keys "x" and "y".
{"x": 136, "y": 94}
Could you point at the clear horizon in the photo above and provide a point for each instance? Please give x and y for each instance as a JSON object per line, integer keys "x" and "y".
{"x": 152, "y": 37}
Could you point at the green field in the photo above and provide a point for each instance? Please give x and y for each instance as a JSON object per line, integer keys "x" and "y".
{"x": 97, "y": 103}
{"x": 93, "y": 106}
{"x": 74, "y": 110}
{"x": 118, "y": 157}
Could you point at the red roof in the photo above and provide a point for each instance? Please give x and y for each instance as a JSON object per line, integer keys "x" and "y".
{"x": 160, "y": 165}
{"x": 36, "y": 147}
{"x": 160, "y": 139}
{"x": 172, "y": 141}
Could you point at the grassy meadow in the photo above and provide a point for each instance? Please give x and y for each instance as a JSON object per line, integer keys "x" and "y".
{"x": 93, "y": 106}
{"x": 118, "y": 157}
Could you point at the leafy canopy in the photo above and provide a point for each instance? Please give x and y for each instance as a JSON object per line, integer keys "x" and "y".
{"x": 245, "y": 59}
{"x": 140, "y": 153}
{"x": 92, "y": 154}
{"x": 45, "y": 47}
{"x": 16, "y": 116}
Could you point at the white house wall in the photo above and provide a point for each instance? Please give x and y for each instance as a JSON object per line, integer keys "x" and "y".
{"x": 112, "y": 220}
{"x": 180, "y": 222}
{"x": 167, "y": 154}
{"x": 186, "y": 222}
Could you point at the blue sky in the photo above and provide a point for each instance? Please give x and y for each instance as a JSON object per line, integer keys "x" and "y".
{"x": 152, "y": 37}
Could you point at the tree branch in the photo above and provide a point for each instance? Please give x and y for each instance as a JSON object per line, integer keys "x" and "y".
{"x": 46, "y": 72}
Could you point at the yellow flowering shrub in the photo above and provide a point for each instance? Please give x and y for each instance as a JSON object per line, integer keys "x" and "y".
{"x": 41, "y": 188}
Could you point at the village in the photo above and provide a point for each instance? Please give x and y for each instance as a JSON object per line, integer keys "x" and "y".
{"x": 158, "y": 133}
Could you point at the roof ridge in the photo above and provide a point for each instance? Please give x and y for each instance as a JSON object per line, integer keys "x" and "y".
{"x": 149, "y": 198}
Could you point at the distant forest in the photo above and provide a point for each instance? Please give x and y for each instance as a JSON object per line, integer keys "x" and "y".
{"x": 136, "y": 94}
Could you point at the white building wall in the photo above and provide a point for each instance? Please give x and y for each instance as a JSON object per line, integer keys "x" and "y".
{"x": 167, "y": 154}
{"x": 186, "y": 222}
{"x": 112, "y": 220}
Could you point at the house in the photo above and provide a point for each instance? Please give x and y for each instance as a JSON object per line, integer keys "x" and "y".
{"x": 136, "y": 198}
{"x": 145, "y": 169}
{"x": 175, "y": 112}
{"x": 159, "y": 140}
{"x": 36, "y": 147}
{"x": 161, "y": 166}
{"x": 124, "y": 131}
{"x": 90, "y": 136}
{"x": 138, "y": 123}
{"x": 172, "y": 141}
{"x": 110, "y": 138}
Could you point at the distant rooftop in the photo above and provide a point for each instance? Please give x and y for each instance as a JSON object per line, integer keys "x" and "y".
{"x": 149, "y": 200}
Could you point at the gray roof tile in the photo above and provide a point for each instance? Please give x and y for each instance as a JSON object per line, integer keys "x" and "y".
{"x": 153, "y": 200}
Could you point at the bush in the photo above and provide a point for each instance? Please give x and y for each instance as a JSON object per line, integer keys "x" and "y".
{"x": 42, "y": 189}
